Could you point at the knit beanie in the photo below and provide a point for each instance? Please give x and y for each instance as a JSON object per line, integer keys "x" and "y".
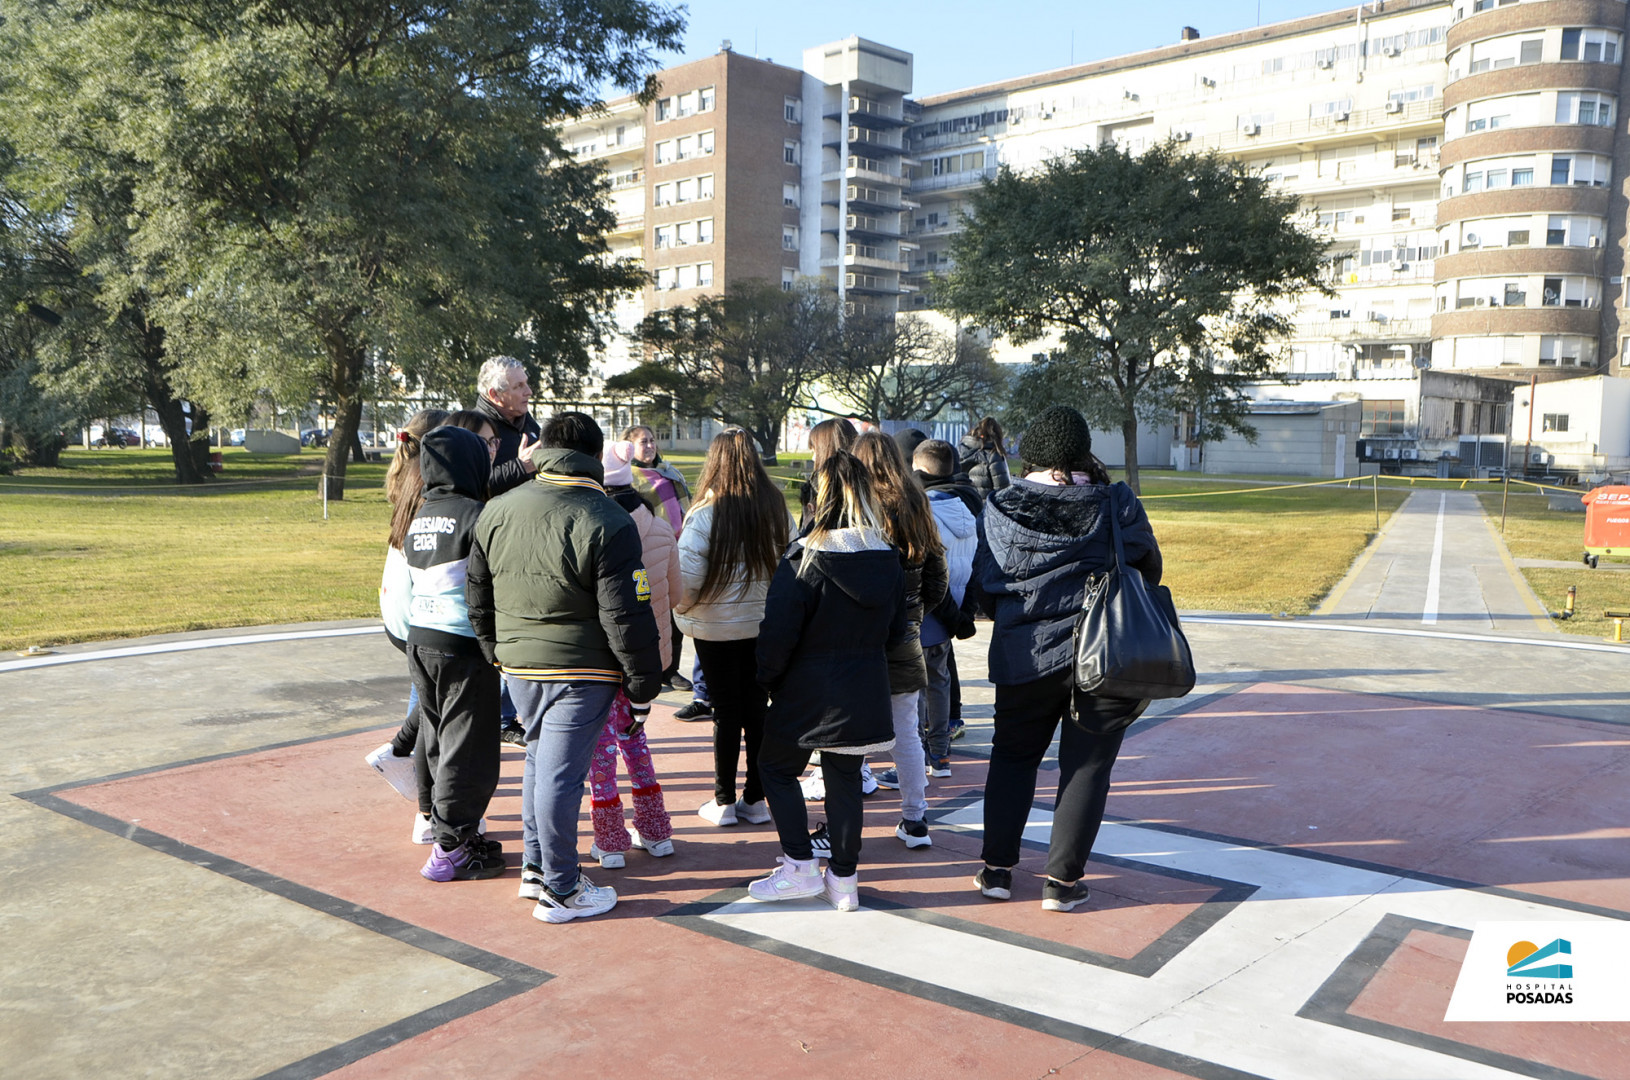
{"x": 616, "y": 459}
{"x": 908, "y": 440}
{"x": 1057, "y": 439}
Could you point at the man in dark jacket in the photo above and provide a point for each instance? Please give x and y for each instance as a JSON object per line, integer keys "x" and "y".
{"x": 458, "y": 689}
{"x": 559, "y": 599}
{"x": 953, "y": 613}
{"x": 502, "y": 395}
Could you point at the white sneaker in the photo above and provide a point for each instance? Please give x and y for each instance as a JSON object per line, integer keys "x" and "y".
{"x": 586, "y": 900}
{"x": 841, "y": 892}
{"x": 531, "y": 882}
{"x": 792, "y": 880}
{"x": 657, "y": 849}
{"x": 425, "y": 833}
{"x": 611, "y": 860}
{"x": 814, "y": 786}
{"x": 754, "y": 813}
{"x": 868, "y": 782}
{"x": 717, "y": 813}
{"x": 397, "y": 771}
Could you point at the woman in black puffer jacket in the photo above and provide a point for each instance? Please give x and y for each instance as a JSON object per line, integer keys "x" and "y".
{"x": 982, "y": 455}
{"x": 1039, "y": 540}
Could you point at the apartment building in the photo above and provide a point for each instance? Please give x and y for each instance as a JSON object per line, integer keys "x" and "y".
{"x": 1465, "y": 158}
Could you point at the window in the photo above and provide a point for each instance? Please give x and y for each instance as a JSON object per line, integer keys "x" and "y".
{"x": 1576, "y": 107}
{"x": 1591, "y": 46}
{"x": 663, "y": 195}
{"x": 1516, "y": 238}
{"x": 1514, "y": 296}
{"x": 1583, "y": 170}
{"x": 667, "y": 278}
{"x": 704, "y": 186}
{"x": 1522, "y": 177}
{"x": 1474, "y": 181}
{"x": 1382, "y": 418}
{"x": 790, "y": 110}
{"x": 686, "y": 104}
{"x": 687, "y": 277}
{"x": 1554, "y": 422}
{"x": 1560, "y": 168}
{"x": 684, "y": 191}
{"x": 789, "y": 278}
{"x": 789, "y": 195}
{"x": 704, "y": 143}
{"x": 1529, "y": 53}
{"x": 704, "y": 99}
{"x": 685, "y": 147}
{"x": 789, "y": 237}
{"x": 789, "y": 151}
{"x": 1566, "y": 350}
{"x": 1497, "y": 178}
{"x": 664, "y": 152}
{"x": 704, "y": 275}
{"x": 665, "y": 109}
{"x": 685, "y": 234}
{"x": 665, "y": 236}
{"x": 704, "y": 231}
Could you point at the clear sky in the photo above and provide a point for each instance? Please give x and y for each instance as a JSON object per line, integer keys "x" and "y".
{"x": 962, "y": 43}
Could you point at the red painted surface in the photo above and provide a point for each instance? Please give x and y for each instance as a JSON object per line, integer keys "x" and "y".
{"x": 1412, "y": 991}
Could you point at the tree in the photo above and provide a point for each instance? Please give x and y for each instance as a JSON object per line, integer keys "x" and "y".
{"x": 900, "y": 368}
{"x": 348, "y": 190}
{"x": 745, "y": 357}
{"x": 1165, "y": 276}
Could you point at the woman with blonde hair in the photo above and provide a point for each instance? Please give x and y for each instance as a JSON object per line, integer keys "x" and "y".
{"x": 909, "y": 524}
{"x": 835, "y": 610}
{"x": 733, "y": 539}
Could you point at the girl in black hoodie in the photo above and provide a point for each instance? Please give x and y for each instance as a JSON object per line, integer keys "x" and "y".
{"x": 835, "y": 609}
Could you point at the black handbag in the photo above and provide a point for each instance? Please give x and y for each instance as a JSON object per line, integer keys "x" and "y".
{"x": 1128, "y": 641}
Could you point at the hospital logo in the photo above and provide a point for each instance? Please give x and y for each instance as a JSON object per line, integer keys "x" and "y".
{"x": 1525, "y": 960}
{"x": 1546, "y": 970}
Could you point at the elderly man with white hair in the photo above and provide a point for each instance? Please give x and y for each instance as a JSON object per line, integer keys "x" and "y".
{"x": 502, "y": 395}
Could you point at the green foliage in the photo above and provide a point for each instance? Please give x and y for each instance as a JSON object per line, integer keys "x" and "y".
{"x": 744, "y": 357}
{"x": 1165, "y": 277}
{"x": 329, "y": 198}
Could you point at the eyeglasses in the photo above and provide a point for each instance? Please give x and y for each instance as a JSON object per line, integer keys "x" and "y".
{"x": 493, "y": 442}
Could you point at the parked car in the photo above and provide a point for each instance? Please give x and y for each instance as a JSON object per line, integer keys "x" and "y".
{"x": 117, "y": 437}
{"x": 314, "y": 437}
{"x": 235, "y": 437}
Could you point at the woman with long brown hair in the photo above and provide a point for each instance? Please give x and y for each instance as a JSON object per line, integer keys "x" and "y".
{"x": 733, "y": 540}
{"x": 982, "y": 454}
{"x": 909, "y": 524}
{"x": 825, "y": 439}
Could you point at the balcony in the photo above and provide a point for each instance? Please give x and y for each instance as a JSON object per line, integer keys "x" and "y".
{"x": 953, "y": 181}
{"x": 1426, "y": 115}
{"x": 866, "y": 113}
{"x": 1363, "y": 330}
{"x": 856, "y": 172}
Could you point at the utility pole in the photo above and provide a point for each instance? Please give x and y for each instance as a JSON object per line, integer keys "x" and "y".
{"x": 1528, "y": 447}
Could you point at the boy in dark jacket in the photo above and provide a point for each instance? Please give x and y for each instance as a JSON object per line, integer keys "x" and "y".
{"x": 560, "y": 599}
{"x": 458, "y": 688}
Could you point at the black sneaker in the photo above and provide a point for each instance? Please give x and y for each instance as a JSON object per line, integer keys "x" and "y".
{"x": 514, "y": 734}
{"x": 680, "y": 683}
{"x": 696, "y": 710}
{"x": 994, "y": 884}
{"x": 914, "y": 833}
{"x": 1059, "y": 897}
{"x": 821, "y": 841}
{"x": 958, "y": 729}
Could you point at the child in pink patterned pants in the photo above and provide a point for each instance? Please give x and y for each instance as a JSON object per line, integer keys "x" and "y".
{"x": 653, "y": 830}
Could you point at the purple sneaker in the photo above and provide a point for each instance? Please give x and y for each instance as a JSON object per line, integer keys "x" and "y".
{"x": 470, "y": 861}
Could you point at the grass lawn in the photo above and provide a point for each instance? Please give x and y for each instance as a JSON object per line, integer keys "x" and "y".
{"x": 1534, "y": 531}
{"x": 104, "y": 547}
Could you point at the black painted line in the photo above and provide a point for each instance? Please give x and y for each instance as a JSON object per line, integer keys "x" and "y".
{"x": 513, "y": 977}
{"x": 956, "y": 999}
{"x": 1329, "y": 1004}
{"x": 1375, "y": 867}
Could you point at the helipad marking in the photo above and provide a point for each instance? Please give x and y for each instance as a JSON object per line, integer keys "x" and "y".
{"x": 1434, "y": 577}
{"x": 184, "y": 646}
{"x": 1386, "y": 631}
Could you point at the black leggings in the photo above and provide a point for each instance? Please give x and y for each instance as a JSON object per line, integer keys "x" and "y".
{"x": 1026, "y": 717}
{"x": 781, "y": 763}
{"x": 739, "y": 704}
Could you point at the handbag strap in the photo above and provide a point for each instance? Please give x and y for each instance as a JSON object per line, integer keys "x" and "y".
{"x": 1115, "y": 528}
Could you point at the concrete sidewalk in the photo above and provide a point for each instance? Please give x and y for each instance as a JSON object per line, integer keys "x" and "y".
{"x": 204, "y": 880}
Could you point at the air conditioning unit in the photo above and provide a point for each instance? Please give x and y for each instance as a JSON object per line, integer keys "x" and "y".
{"x": 1395, "y": 106}
{"x": 1209, "y": 84}
{"x": 1325, "y": 63}
{"x": 1127, "y": 95}
{"x": 1250, "y": 129}
{"x": 1342, "y": 117}
{"x": 1391, "y": 50}
{"x": 1391, "y": 453}
{"x": 1185, "y": 136}
{"x": 1410, "y": 453}
{"x": 1539, "y": 457}
{"x": 1596, "y": 241}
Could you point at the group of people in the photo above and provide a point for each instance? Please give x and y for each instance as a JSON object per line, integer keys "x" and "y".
{"x": 550, "y": 569}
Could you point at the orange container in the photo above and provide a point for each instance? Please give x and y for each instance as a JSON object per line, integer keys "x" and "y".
{"x": 1607, "y": 521}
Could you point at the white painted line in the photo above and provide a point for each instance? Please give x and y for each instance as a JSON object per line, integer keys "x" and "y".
{"x": 1434, "y": 580}
{"x": 183, "y": 646}
{"x": 1442, "y": 635}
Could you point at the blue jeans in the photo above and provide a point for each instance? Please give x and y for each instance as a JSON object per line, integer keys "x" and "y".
{"x": 563, "y": 722}
{"x": 698, "y": 682}
{"x": 506, "y": 704}
{"x": 934, "y": 715}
